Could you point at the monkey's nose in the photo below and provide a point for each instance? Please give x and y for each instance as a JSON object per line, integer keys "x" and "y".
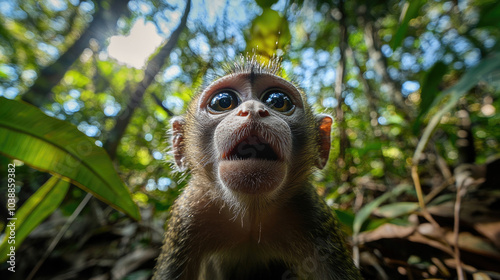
{"x": 252, "y": 108}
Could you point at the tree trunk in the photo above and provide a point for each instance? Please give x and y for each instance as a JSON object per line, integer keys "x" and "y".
{"x": 380, "y": 63}
{"x": 103, "y": 24}
{"x": 339, "y": 82}
{"x": 370, "y": 94}
{"x": 153, "y": 67}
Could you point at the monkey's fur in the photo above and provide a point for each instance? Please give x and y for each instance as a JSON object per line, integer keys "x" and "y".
{"x": 235, "y": 228}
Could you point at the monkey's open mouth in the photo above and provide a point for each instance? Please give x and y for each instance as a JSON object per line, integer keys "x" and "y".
{"x": 252, "y": 147}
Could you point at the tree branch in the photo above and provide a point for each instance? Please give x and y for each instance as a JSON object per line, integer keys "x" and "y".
{"x": 103, "y": 24}
{"x": 339, "y": 82}
{"x": 152, "y": 69}
{"x": 159, "y": 103}
{"x": 380, "y": 63}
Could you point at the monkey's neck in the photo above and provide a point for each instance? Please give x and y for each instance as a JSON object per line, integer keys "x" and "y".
{"x": 261, "y": 222}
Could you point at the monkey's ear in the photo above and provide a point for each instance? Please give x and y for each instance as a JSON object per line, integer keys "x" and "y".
{"x": 325, "y": 129}
{"x": 178, "y": 124}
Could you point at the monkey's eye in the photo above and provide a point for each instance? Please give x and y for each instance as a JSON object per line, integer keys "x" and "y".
{"x": 278, "y": 101}
{"x": 223, "y": 101}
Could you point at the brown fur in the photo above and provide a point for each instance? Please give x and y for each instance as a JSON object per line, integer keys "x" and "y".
{"x": 217, "y": 233}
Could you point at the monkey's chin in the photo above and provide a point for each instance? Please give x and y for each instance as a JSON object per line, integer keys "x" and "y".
{"x": 252, "y": 176}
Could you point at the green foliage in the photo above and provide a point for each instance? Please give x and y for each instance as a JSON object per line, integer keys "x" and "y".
{"x": 430, "y": 90}
{"x": 58, "y": 147}
{"x": 433, "y": 54}
{"x": 34, "y": 211}
{"x": 268, "y": 34}
{"x": 489, "y": 15}
{"x": 397, "y": 209}
{"x": 488, "y": 65}
{"x": 365, "y": 212}
{"x": 471, "y": 78}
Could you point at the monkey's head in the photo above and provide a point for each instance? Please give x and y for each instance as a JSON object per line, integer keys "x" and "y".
{"x": 252, "y": 133}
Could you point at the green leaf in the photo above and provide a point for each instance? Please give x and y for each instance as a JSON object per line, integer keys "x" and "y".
{"x": 268, "y": 33}
{"x": 365, "y": 212}
{"x": 346, "y": 218}
{"x": 38, "y": 207}
{"x": 430, "y": 90}
{"x": 410, "y": 10}
{"x": 442, "y": 199}
{"x": 397, "y": 209}
{"x": 475, "y": 74}
{"x": 489, "y": 15}
{"x": 373, "y": 224}
{"x": 57, "y": 147}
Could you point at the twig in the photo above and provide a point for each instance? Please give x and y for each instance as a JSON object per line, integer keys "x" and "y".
{"x": 430, "y": 196}
{"x": 355, "y": 251}
{"x": 420, "y": 196}
{"x": 422, "y": 143}
{"x": 456, "y": 228}
{"x": 59, "y": 235}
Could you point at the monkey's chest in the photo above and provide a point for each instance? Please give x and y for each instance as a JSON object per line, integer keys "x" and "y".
{"x": 244, "y": 266}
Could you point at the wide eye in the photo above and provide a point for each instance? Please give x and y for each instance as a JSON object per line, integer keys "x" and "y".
{"x": 278, "y": 101}
{"x": 223, "y": 101}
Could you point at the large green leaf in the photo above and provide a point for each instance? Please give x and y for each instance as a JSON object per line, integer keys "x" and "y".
{"x": 57, "y": 147}
{"x": 473, "y": 75}
{"x": 430, "y": 90}
{"x": 269, "y": 32}
{"x": 38, "y": 207}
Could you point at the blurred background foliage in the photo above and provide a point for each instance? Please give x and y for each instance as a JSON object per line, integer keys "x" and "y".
{"x": 118, "y": 70}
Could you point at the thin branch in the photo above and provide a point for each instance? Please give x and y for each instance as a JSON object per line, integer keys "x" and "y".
{"x": 456, "y": 229}
{"x": 380, "y": 63}
{"x": 160, "y": 103}
{"x": 339, "y": 83}
{"x": 370, "y": 94}
{"x": 430, "y": 196}
{"x": 102, "y": 25}
{"x": 59, "y": 235}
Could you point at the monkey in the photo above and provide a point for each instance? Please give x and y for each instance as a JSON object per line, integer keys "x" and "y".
{"x": 249, "y": 210}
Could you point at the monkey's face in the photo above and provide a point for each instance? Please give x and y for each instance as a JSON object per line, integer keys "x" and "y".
{"x": 247, "y": 131}
{"x": 252, "y": 139}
